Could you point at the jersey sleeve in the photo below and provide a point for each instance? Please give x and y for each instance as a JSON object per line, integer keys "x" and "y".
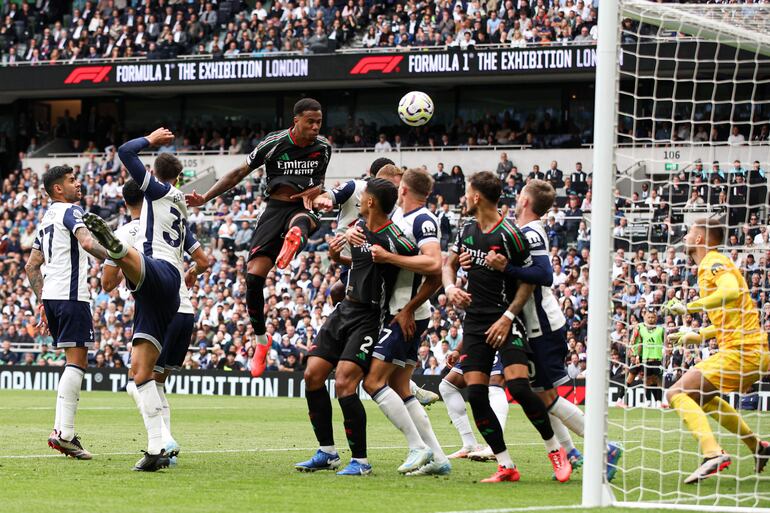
{"x": 343, "y": 193}
{"x": 257, "y": 157}
{"x": 73, "y": 218}
{"x": 541, "y": 271}
{"x": 457, "y": 245}
{"x": 402, "y": 245}
{"x": 36, "y": 243}
{"x": 516, "y": 246}
{"x": 129, "y": 156}
{"x": 190, "y": 242}
{"x": 425, "y": 229}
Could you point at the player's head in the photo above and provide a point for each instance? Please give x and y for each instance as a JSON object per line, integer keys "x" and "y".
{"x": 704, "y": 234}
{"x": 391, "y": 173}
{"x": 483, "y": 190}
{"x": 132, "y": 194}
{"x": 416, "y": 183}
{"x": 379, "y": 164}
{"x": 307, "y": 118}
{"x": 537, "y": 196}
{"x": 61, "y": 184}
{"x": 379, "y": 196}
{"x": 167, "y": 168}
{"x": 651, "y": 317}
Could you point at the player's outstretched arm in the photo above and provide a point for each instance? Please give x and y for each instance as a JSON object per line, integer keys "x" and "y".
{"x": 222, "y": 185}
{"x": 539, "y": 273}
{"x": 427, "y": 263}
{"x": 90, "y": 245}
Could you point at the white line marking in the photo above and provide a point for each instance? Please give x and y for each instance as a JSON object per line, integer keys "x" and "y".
{"x": 36, "y": 408}
{"x": 512, "y": 510}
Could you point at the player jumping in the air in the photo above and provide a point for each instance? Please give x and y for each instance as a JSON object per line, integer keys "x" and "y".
{"x": 647, "y": 344}
{"x": 64, "y": 301}
{"x": 295, "y": 163}
{"x": 491, "y": 303}
{"x": 179, "y": 332}
{"x": 153, "y": 270}
{"x": 347, "y": 338}
{"x": 742, "y": 359}
{"x": 546, "y": 330}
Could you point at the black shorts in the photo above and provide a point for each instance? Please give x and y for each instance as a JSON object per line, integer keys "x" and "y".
{"x": 650, "y": 368}
{"x": 548, "y": 355}
{"x": 479, "y": 356}
{"x": 349, "y": 333}
{"x": 69, "y": 322}
{"x": 176, "y": 344}
{"x": 272, "y": 227}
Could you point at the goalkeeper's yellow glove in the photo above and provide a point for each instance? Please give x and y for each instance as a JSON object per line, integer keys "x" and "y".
{"x": 684, "y": 338}
{"x": 674, "y": 307}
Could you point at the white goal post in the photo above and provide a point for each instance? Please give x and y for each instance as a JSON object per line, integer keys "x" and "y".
{"x": 665, "y": 73}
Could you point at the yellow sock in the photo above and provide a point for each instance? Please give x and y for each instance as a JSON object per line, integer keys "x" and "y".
{"x": 721, "y": 411}
{"x": 698, "y": 424}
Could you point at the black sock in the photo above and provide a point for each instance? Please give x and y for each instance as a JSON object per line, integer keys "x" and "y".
{"x": 485, "y": 418}
{"x": 532, "y": 405}
{"x": 657, "y": 394}
{"x": 255, "y": 302}
{"x": 319, "y": 409}
{"x": 649, "y": 393}
{"x": 355, "y": 424}
{"x": 305, "y": 226}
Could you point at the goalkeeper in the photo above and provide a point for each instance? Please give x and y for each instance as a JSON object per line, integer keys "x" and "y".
{"x": 647, "y": 344}
{"x": 742, "y": 359}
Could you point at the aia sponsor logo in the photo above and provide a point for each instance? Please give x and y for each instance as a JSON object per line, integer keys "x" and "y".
{"x": 93, "y": 74}
{"x": 384, "y": 64}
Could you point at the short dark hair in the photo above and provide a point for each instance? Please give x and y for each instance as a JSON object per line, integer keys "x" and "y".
{"x": 132, "y": 194}
{"x": 419, "y": 181}
{"x": 306, "y": 104}
{"x": 379, "y": 164}
{"x": 167, "y": 167}
{"x": 713, "y": 228}
{"x": 384, "y": 192}
{"x": 488, "y": 185}
{"x": 53, "y": 176}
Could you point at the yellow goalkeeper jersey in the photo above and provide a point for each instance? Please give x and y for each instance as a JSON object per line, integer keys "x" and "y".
{"x": 737, "y": 321}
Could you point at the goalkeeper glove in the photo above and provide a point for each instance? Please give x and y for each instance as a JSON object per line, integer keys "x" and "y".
{"x": 674, "y": 307}
{"x": 684, "y": 338}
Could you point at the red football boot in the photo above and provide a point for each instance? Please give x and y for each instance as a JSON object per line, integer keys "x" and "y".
{"x": 259, "y": 360}
{"x": 562, "y": 468}
{"x": 291, "y": 244}
{"x": 503, "y": 474}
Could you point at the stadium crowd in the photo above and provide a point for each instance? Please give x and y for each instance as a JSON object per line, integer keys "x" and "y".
{"x": 298, "y": 301}
{"x": 67, "y": 31}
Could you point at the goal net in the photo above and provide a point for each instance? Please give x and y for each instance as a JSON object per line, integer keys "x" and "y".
{"x": 690, "y": 120}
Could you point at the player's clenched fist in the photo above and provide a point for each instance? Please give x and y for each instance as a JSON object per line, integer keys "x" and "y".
{"x": 458, "y": 297}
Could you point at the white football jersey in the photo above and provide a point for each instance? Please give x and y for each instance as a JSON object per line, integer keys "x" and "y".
{"x": 129, "y": 233}
{"x": 541, "y": 312}
{"x": 420, "y": 226}
{"x": 65, "y": 274}
{"x": 162, "y": 222}
{"x": 348, "y": 198}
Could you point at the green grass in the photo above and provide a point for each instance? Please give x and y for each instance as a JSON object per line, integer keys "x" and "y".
{"x": 237, "y": 455}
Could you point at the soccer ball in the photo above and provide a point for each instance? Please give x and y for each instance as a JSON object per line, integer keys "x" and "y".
{"x": 415, "y": 108}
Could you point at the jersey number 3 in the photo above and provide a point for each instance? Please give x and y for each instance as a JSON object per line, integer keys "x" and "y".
{"x": 175, "y": 239}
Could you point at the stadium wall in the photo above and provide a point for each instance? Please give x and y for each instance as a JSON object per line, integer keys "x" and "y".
{"x": 281, "y": 384}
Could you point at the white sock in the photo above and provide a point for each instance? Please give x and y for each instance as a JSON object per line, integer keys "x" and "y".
{"x": 504, "y": 459}
{"x": 412, "y": 386}
{"x": 67, "y": 400}
{"x": 165, "y": 413}
{"x": 552, "y": 444}
{"x": 570, "y": 415}
{"x": 455, "y": 406}
{"x": 131, "y": 391}
{"x": 394, "y": 409}
{"x": 422, "y": 422}
{"x": 363, "y": 461}
{"x": 562, "y": 433}
{"x": 329, "y": 449}
{"x": 499, "y": 403}
{"x": 151, "y": 409}
{"x": 57, "y": 418}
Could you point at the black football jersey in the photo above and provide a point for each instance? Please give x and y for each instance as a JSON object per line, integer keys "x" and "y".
{"x": 491, "y": 291}
{"x": 372, "y": 283}
{"x": 300, "y": 167}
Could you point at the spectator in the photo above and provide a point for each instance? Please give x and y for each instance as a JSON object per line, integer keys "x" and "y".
{"x": 736, "y": 137}
{"x": 504, "y": 166}
{"x": 440, "y": 176}
{"x": 382, "y": 144}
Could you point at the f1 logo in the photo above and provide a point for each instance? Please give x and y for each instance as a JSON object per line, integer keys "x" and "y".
{"x": 94, "y": 74}
{"x": 385, "y": 64}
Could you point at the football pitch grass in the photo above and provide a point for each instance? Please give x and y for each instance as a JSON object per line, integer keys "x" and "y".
{"x": 238, "y": 455}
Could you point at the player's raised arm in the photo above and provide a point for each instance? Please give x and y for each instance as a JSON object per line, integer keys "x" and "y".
{"x": 129, "y": 156}
{"x": 222, "y": 185}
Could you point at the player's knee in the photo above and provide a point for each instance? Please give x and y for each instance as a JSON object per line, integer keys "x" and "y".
{"x": 313, "y": 379}
{"x": 478, "y": 397}
{"x": 345, "y": 385}
{"x": 372, "y": 384}
{"x": 519, "y": 387}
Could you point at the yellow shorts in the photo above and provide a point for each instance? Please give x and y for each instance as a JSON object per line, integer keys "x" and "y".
{"x": 732, "y": 370}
